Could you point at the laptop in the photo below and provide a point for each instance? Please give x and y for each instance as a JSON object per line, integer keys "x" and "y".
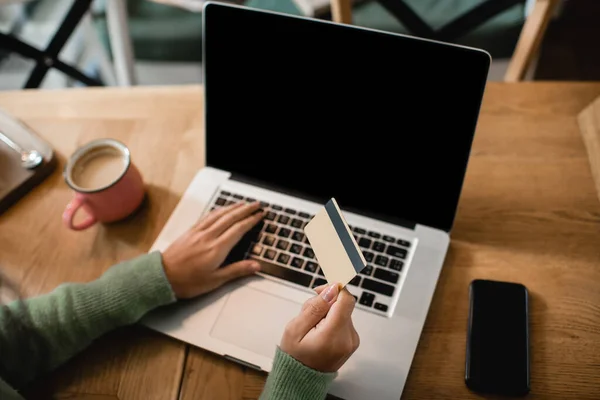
{"x": 298, "y": 111}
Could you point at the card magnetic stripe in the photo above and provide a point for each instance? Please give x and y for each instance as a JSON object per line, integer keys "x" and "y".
{"x": 345, "y": 238}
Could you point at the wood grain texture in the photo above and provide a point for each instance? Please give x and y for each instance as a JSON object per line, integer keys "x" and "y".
{"x": 163, "y": 129}
{"x": 589, "y": 125}
{"x": 528, "y": 213}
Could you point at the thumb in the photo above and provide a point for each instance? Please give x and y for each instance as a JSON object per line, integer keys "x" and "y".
{"x": 236, "y": 270}
{"x": 313, "y": 311}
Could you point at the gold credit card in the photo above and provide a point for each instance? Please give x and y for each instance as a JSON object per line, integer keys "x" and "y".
{"x": 334, "y": 245}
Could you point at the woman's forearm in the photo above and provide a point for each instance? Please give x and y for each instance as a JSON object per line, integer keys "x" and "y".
{"x": 38, "y": 334}
{"x": 291, "y": 380}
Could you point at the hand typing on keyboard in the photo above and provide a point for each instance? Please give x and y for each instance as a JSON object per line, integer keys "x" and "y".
{"x": 192, "y": 262}
{"x": 322, "y": 336}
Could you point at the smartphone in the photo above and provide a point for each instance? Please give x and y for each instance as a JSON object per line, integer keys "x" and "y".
{"x": 497, "y": 359}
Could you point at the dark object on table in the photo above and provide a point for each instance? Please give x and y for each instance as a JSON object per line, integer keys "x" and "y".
{"x": 497, "y": 360}
{"x": 16, "y": 180}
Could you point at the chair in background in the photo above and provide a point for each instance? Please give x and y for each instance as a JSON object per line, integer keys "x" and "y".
{"x": 502, "y": 27}
{"x": 162, "y": 33}
{"x": 120, "y": 72}
{"x": 48, "y": 58}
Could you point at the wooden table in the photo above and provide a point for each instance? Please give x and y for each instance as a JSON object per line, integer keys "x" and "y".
{"x": 528, "y": 213}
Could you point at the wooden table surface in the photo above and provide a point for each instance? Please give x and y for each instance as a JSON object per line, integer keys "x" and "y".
{"x": 528, "y": 213}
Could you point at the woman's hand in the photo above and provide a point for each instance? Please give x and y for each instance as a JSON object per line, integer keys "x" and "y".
{"x": 322, "y": 336}
{"x": 192, "y": 262}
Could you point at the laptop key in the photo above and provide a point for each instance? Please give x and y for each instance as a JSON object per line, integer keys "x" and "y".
{"x": 264, "y": 204}
{"x": 386, "y": 275}
{"x": 297, "y": 262}
{"x": 250, "y": 200}
{"x": 284, "y": 232}
{"x": 290, "y": 211}
{"x": 388, "y": 239}
{"x": 355, "y": 281}
{"x": 311, "y": 266}
{"x": 366, "y": 299}
{"x": 309, "y": 253}
{"x": 297, "y": 223}
{"x": 276, "y": 207}
{"x": 364, "y": 243}
{"x": 283, "y": 219}
{"x": 379, "y": 246}
{"x": 288, "y": 274}
{"x": 368, "y": 256}
{"x": 257, "y": 249}
{"x": 377, "y": 287}
{"x": 269, "y": 240}
{"x": 283, "y": 258}
{"x": 382, "y": 260}
{"x": 298, "y": 236}
{"x": 282, "y": 244}
{"x": 271, "y": 228}
{"x": 303, "y": 215}
{"x": 318, "y": 282}
{"x": 228, "y": 203}
{"x": 270, "y": 254}
{"x": 404, "y": 243}
{"x": 396, "y": 252}
{"x": 396, "y": 265}
{"x": 368, "y": 270}
{"x": 224, "y": 193}
{"x": 380, "y": 307}
{"x": 220, "y": 201}
{"x": 239, "y": 197}
{"x": 321, "y": 272}
{"x": 359, "y": 230}
{"x": 270, "y": 216}
{"x": 296, "y": 248}
{"x": 374, "y": 235}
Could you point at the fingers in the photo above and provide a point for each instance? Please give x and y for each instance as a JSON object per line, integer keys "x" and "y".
{"x": 233, "y": 235}
{"x": 228, "y": 219}
{"x": 341, "y": 311}
{"x": 313, "y": 311}
{"x": 320, "y": 288}
{"x": 355, "y": 338}
{"x": 236, "y": 270}
{"x": 214, "y": 215}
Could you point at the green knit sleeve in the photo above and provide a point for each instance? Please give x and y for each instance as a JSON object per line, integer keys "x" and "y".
{"x": 38, "y": 334}
{"x": 291, "y": 380}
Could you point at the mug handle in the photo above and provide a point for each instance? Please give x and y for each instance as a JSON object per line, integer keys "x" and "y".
{"x": 70, "y": 211}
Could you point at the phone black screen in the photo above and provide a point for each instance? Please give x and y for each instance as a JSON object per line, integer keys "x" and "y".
{"x": 498, "y": 338}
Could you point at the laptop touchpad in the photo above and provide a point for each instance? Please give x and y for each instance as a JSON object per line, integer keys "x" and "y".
{"x": 254, "y": 320}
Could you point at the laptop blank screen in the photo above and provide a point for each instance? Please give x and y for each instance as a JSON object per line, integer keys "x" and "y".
{"x": 381, "y": 122}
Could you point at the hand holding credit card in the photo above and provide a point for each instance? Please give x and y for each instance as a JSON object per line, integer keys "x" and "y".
{"x": 334, "y": 245}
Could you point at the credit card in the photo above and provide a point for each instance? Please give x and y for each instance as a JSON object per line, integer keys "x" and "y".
{"x": 334, "y": 245}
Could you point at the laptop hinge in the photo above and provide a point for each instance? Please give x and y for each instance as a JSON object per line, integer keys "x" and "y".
{"x": 261, "y": 184}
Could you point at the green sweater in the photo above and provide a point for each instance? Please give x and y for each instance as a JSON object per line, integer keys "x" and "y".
{"x": 39, "y": 334}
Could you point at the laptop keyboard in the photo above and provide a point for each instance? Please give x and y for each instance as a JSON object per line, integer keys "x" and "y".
{"x": 282, "y": 248}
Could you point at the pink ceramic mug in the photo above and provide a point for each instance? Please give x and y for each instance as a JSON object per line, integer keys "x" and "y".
{"x": 106, "y": 183}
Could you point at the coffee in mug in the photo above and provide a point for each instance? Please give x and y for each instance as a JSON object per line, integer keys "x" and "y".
{"x": 99, "y": 168}
{"x": 108, "y": 187}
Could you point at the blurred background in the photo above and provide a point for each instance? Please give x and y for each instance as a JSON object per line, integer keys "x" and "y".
{"x": 64, "y": 43}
